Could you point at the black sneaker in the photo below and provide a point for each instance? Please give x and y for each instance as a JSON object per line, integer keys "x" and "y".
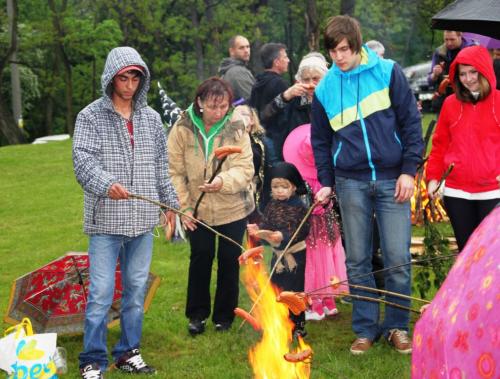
{"x": 91, "y": 371}
{"x": 133, "y": 363}
{"x": 299, "y": 330}
{"x": 223, "y": 326}
{"x": 196, "y": 326}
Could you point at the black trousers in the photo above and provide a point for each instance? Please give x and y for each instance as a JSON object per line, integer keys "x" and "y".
{"x": 203, "y": 248}
{"x": 466, "y": 215}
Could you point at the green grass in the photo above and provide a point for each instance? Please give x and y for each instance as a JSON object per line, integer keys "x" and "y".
{"x": 41, "y": 219}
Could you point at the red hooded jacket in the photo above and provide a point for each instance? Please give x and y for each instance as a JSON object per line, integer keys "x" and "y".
{"x": 468, "y": 134}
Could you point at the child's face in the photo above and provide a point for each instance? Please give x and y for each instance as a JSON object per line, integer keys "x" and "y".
{"x": 282, "y": 189}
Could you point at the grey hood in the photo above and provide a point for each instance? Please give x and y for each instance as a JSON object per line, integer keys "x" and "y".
{"x": 228, "y": 63}
{"x": 117, "y": 59}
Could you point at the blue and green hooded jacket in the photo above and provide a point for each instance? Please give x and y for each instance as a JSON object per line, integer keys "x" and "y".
{"x": 365, "y": 122}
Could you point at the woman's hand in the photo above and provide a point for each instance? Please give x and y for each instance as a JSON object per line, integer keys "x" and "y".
{"x": 214, "y": 186}
{"x": 432, "y": 187}
{"x": 187, "y": 222}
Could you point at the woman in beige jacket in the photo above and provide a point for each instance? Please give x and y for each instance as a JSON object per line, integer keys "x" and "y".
{"x": 207, "y": 124}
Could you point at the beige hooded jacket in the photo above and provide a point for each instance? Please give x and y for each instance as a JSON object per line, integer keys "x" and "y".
{"x": 189, "y": 167}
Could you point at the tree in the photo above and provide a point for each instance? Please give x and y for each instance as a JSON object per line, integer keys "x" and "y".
{"x": 8, "y": 127}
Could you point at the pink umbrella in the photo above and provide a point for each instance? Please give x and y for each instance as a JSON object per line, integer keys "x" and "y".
{"x": 458, "y": 336}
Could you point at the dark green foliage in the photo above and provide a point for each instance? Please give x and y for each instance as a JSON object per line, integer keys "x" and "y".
{"x": 182, "y": 41}
{"x": 431, "y": 274}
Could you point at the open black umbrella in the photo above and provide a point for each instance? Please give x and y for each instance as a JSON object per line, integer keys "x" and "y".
{"x": 477, "y": 16}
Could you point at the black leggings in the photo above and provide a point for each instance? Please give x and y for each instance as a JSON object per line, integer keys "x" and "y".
{"x": 203, "y": 246}
{"x": 466, "y": 215}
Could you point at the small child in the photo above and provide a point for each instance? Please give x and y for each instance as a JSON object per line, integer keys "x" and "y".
{"x": 280, "y": 220}
{"x": 325, "y": 253}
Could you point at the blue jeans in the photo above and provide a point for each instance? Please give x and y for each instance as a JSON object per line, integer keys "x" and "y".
{"x": 358, "y": 201}
{"x": 134, "y": 254}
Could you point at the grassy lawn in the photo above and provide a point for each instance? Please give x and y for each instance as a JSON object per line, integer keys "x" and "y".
{"x": 41, "y": 219}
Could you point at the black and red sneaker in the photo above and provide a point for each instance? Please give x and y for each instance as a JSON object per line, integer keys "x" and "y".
{"x": 91, "y": 371}
{"x": 132, "y": 363}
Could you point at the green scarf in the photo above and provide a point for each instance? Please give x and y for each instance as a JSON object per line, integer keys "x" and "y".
{"x": 208, "y": 138}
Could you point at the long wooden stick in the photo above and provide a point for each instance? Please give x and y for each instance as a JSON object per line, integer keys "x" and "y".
{"x": 139, "y": 197}
{"x": 370, "y": 289}
{"x": 443, "y": 178}
{"x": 377, "y": 300}
{"x": 202, "y": 195}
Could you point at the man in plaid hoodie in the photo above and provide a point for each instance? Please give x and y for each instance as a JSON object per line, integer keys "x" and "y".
{"x": 119, "y": 148}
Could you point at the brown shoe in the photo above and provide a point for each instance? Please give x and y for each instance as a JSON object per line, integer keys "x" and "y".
{"x": 400, "y": 340}
{"x": 360, "y": 346}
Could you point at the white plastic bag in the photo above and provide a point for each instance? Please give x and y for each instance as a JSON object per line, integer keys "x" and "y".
{"x": 8, "y": 343}
{"x": 34, "y": 356}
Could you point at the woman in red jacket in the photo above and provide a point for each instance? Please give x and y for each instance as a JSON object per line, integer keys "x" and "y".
{"x": 468, "y": 136}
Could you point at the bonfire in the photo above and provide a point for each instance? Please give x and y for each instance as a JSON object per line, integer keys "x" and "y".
{"x": 272, "y": 356}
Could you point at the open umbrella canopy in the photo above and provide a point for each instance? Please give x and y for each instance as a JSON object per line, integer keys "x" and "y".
{"x": 54, "y": 296}
{"x": 476, "y": 16}
{"x": 458, "y": 336}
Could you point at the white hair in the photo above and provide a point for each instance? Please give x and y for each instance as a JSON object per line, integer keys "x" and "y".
{"x": 312, "y": 61}
{"x": 377, "y": 47}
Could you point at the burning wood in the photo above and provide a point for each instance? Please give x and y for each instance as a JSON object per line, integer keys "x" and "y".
{"x": 422, "y": 207}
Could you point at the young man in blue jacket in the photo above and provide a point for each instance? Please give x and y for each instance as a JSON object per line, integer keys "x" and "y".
{"x": 367, "y": 141}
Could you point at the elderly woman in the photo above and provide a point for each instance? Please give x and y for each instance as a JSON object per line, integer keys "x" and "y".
{"x": 468, "y": 136}
{"x": 294, "y": 105}
{"x": 207, "y": 124}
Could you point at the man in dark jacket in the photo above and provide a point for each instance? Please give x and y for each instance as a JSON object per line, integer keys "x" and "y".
{"x": 269, "y": 83}
{"x": 367, "y": 141}
{"x": 119, "y": 148}
{"x": 234, "y": 69}
{"x": 441, "y": 61}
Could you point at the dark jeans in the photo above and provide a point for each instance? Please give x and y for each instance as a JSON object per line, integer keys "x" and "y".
{"x": 466, "y": 215}
{"x": 203, "y": 247}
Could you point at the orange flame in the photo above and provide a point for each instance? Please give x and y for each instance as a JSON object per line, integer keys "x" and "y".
{"x": 267, "y": 357}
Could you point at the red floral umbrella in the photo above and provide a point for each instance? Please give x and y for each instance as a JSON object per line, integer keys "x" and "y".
{"x": 54, "y": 296}
{"x": 458, "y": 336}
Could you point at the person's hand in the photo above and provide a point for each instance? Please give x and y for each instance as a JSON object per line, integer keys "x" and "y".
{"x": 274, "y": 238}
{"x": 436, "y": 71}
{"x": 432, "y": 186}
{"x": 405, "y": 186}
{"x": 170, "y": 217}
{"x": 252, "y": 229}
{"x": 498, "y": 180}
{"x": 298, "y": 89}
{"x": 214, "y": 186}
{"x": 117, "y": 192}
{"x": 323, "y": 195}
{"x": 187, "y": 222}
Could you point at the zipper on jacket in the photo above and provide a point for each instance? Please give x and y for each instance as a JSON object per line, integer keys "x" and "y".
{"x": 398, "y": 140}
{"x": 367, "y": 146}
{"x": 335, "y": 156}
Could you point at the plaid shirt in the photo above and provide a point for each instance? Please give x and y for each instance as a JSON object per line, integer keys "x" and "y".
{"x": 103, "y": 155}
